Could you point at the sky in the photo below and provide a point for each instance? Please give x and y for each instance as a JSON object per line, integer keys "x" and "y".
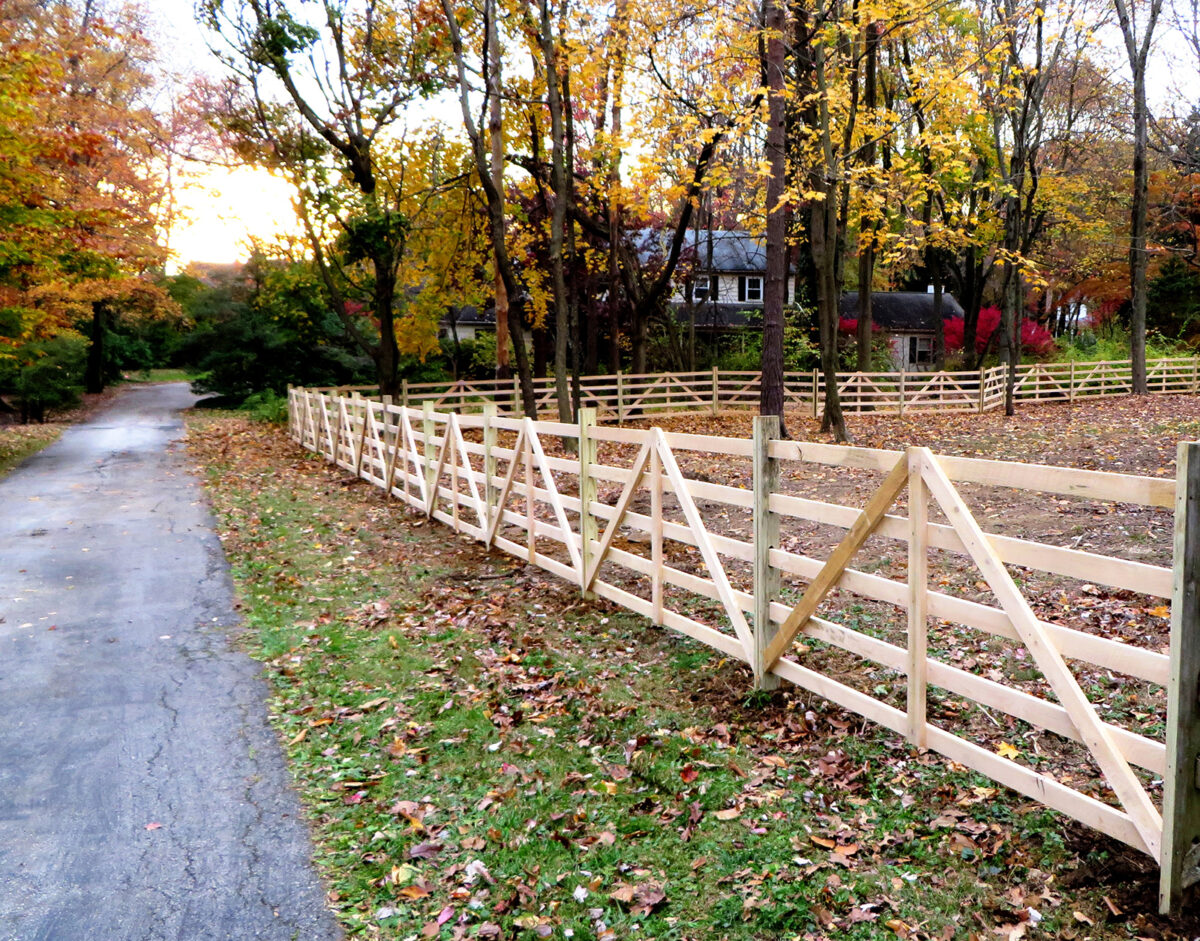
{"x": 222, "y": 208}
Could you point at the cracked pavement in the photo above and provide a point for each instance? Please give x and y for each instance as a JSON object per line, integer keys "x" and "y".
{"x": 123, "y": 706}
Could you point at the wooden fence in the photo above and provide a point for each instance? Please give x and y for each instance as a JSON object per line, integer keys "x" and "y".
{"x": 613, "y": 511}
{"x": 637, "y": 396}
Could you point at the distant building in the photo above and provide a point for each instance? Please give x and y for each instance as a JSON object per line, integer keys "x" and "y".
{"x": 466, "y": 323}
{"x": 907, "y": 319}
{"x": 725, "y": 295}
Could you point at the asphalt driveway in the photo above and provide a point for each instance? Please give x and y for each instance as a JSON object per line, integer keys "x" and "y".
{"x": 142, "y": 792}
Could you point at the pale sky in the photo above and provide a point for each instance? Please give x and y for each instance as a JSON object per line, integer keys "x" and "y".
{"x": 225, "y": 207}
{"x": 221, "y": 207}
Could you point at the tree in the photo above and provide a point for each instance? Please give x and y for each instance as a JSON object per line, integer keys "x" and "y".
{"x": 489, "y": 169}
{"x": 80, "y": 192}
{"x": 771, "y": 391}
{"x": 346, "y": 75}
{"x": 1137, "y": 49}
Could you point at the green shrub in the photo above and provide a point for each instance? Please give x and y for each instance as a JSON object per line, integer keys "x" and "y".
{"x": 46, "y": 376}
{"x": 267, "y": 406}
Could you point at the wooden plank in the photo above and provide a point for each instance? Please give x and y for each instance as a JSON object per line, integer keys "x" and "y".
{"x": 619, "y": 511}
{"x": 918, "y": 593}
{"x": 555, "y": 500}
{"x": 505, "y": 488}
{"x": 463, "y": 460}
{"x": 656, "y": 537}
{"x": 704, "y": 543}
{"x": 1116, "y": 769}
{"x": 1143, "y": 751}
{"x": 1067, "y": 481}
{"x": 819, "y": 587}
{"x": 529, "y": 507}
{"x": 1060, "y": 560}
{"x": 1181, "y": 799}
{"x": 765, "y": 538}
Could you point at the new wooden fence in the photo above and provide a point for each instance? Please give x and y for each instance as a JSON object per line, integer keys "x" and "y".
{"x": 720, "y": 564}
{"x": 637, "y": 396}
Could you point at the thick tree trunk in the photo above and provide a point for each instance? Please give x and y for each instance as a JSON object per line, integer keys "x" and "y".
{"x": 771, "y": 391}
{"x": 93, "y": 376}
{"x": 387, "y": 361}
{"x": 558, "y": 214}
{"x": 824, "y": 224}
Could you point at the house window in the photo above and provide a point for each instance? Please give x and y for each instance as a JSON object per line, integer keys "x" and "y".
{"x": 750, "y": 288}
{"x": 704, "y": 289}
{"x": 920, "y": 350}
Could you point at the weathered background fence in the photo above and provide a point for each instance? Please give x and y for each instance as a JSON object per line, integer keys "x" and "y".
{"x": 621, "y": 513}
{"x": 629, "y": 396}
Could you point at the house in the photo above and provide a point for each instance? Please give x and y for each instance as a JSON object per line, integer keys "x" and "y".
{"x": 906, "y": 317}
{"x": 466, "y": 323}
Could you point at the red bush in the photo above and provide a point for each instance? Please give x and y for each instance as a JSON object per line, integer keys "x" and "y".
{"x": 1035, "y": 338}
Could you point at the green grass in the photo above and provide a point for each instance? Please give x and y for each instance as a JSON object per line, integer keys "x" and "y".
{"x": 482, "y": 755}
{"x": 163, "y": 375}
{"x": 18, "y": 442}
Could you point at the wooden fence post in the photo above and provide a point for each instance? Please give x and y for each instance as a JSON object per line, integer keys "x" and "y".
{"x": 489, "y": 459}
{"x": 816, "y": 391}
{"x": 900, "y": 406}
{"x": 716, "y": 392}
{"x": 427, "y": 459}
{"x": 766, "y": 538}
{"x": 1071, "y": 384}
{"x": 589, "y": 530}
{"x": 918, "y": 593}
{"x": 518, "y": 408}
{"x": 620, "y": 399}
{"x": 1196, "y": 374}
{"x": 404, "y": 393}
{"x": 982, "y": 390}
{"x": 1181, "y": 797}
{"x": 365, "y": 403}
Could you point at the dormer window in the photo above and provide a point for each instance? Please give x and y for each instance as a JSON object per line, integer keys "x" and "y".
{"x": 750, "y": 288}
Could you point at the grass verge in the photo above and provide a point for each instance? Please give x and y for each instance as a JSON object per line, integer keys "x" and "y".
{"x": 484, "y": 755}
{"x": 17, "y": 442}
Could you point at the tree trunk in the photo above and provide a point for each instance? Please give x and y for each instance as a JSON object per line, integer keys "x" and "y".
{"x": 867, "y": 223}
{"x": 621, "y": 19}
{"x": 558, "y": 214}
{"x": 824, "y": 219}
{"x": 93, "y": 376}
{"x": 939, "y": 323}
{"x": 496, "y": 140}
{"x": 1138, "y": 258}
{"x": 771, "y": 391}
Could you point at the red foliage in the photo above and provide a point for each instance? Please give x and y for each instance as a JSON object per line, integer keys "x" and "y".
{"x": 1035, "y": 338}
{"x": 849, "y": 326}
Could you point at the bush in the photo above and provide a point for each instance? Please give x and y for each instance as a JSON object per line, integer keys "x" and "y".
{"x": 1113, "y": 345}
{"x": 46, "y": 376}
{"x": 267, "y": 406}
{"x": 1036, "y": 340}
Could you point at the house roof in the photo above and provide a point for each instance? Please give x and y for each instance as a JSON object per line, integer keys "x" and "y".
{"x": 733, "y": 250}
{"x": 901, "y": 310}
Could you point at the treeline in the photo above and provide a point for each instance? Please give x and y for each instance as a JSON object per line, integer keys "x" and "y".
{"x": 989, "y": 149}
{"x": 982, "y": 148}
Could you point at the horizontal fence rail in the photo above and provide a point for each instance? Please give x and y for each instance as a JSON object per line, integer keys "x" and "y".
{"x": 618, "y": 512}
{"x": 659, "y": 394}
